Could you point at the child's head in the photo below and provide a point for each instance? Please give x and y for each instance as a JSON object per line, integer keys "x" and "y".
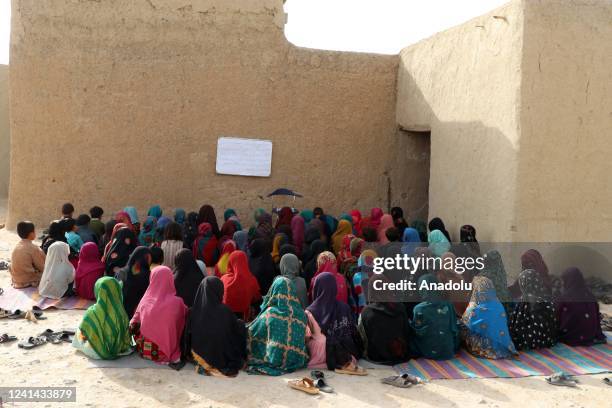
{"x": 67, "y": 210}
{"x": 157, "y": 256}
{"x": 83, "y": 220}
{"x": 173, "y": 232}
{"x": 26, "y": 230}
{"x": 69, "y": 225}
{"x": 96, "y": 212}
{"x": 392, "y": 234}
{"x": 369, "y": 234}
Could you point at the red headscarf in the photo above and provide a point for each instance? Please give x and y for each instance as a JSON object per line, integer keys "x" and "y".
{"x": 124, "y": 218}
{"x": 205, "y": 245}
{"x": 386, "y": 222}
{"x": 297, "y": 232}
{"x": 356, "y": 216}
{"x": 227, "y": 232}
{"x": 88, "y": 270}
{"x": 326, "y": 262}
{"x": 284, "y": 217}
{"x": 345, "y": 250}
{"x": 241, "y": 287}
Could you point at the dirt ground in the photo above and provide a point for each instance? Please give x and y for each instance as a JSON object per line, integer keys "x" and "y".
{"x": 61, "y": 365}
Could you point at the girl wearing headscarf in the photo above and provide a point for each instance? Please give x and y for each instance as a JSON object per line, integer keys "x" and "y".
{"x": 484, "y": 327}
{"x": 290, "y": 269}
{"x": 135, "y": 277}
{"x": 89, "y": 270}
{"x": 107, "y": 237}
{"x": 297, "y": 232}
{"x": 191, "y": 229}
{"x": 284, "y": 217}
{"x": 187, "y": 276}
{"x": 241, "y": 287}
{"x": 344, "y": 228}
{"x": 162, "y": 223}
{"x": 533, "y": 323}
{"x": 326, "y": 262}
{"x": 385, "y": 331}
{"x": 279, "y": 240}
{"x": 221, "y": 265}
{"x": 123, "y": 217}
{"x": 437, "y": 224}
{"x": 172, "y": 243}
{"x": 386, "y": 222}
{"x": 276, "y": 338}
{"x": 577, "y": 312}
{"x": 56, "y": 234}
{"x": 373, "y": 220}
{"x": 131, "y": 211}
{"x": 532, "y": 259}
{"x": 459, "y": 298}
{"x": 348, "y": 255}
{"x": 338, "y": 324}
{"x": 205, "y": 245}
{"x": 438, "y": 244}
{"x": 494, "y": 270}
{"x": 58, "y": 276}
{"x": 312, "y": 234}
{"x": 224, "y": 353}
{"x": 361, "y": 278}
{"x": 103, "y": 332}
{"x": 230, "y": 215}
{"x": 159, "y": 320}
{"x": 411, "y": 240}
{"x": 307, "y": 215}
{"x": 261, "y": 264}
{"x": 155, "y": 211}
{"x": 420, "y": 226}
{"x": 356, "y": 222}
{"x": 310, "y": 268}
{"x": 227, "y": 232}
{"x": 148, "y": 231}
{"x": 241, "y": 239}
{"x": 119, "y": 249}
{"x": 398, "y": 219}
{"x": 207, "y": 214}
{"x": 179, "y": 216}
{"x": 436, "y": 335}
{"x": 264, "y": 228}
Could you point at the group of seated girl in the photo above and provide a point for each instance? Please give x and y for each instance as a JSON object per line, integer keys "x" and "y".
{"x": 297, "y": 293}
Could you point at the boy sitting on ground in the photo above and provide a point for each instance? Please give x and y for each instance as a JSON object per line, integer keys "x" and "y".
{"x": 27, "y": 260}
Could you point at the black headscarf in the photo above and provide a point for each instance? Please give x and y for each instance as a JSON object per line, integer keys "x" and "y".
{"x": 216, "y": 334}
{"x": 108, "y": 232}
{"x": 120, "y": 250}
{"x": 288, "y": 249}
{"x": 56, "y": 233}
{"x": 187, "y": 276}
{"x": 261, "y": 264}
{"x": 398, "y": 219}
{"x": 190, "y": 229}
{"x": 310, "y": 268}
{"x": 207, "y": 214}
{"x": 135, "y": 277}
{"x": 437, "y": 224}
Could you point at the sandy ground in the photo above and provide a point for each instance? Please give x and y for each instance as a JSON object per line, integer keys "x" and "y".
{"x": 61, "y": 365}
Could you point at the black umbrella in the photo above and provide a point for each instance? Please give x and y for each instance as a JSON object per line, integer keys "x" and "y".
{"x": 285, "y": 192}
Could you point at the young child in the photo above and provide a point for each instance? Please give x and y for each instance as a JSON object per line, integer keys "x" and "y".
{"x": 67, "y": 210}
{"x": 83, "y": 229}
{"x": 74, "y": 240}
{"x": 27, "y": 260}
{"x": 96, "y": 224}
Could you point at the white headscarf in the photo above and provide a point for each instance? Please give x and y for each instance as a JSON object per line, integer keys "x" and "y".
{"x": 58, "y": 273}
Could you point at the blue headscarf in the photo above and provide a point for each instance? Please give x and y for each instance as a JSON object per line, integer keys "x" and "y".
{"x": 241, "y": 238}
{"x": 161, "y": 225}
{"x": 179, "y": 216}
{"x": 132, "y": 213}
{"x": 148, "y": 231}
{"x": 412, "y": 240}
{"x": 155, "y": 211}
{"x": 438, "y": 243}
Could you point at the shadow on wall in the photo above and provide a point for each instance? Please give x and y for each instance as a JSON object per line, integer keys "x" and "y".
{"x": 4, "y": 132}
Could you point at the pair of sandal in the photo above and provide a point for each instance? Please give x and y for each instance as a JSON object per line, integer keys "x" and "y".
{"x": 32, "y": 315}
{"x": 312, "y": 385}
{"x": 48, "y": 336}
{"x": 402, "y": 381}
{"x": 562, "y": 379}
{"x": 351, "y": 369}
{"x": 5, "y": 338}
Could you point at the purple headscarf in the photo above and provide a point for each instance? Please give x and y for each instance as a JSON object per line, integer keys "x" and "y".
{"x": 325, "y": 308}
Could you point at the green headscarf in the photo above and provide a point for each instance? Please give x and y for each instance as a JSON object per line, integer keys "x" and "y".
{"x": 105, "y": 324}
{"x": 494, "y": 270}
{"x": 307, "y": 215}
{"x": 276, "y": 340}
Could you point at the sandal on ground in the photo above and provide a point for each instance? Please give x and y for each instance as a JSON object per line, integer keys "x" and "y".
{"x": 5, "y": 338}
{"x": 402, "y": 381}
{"x": 318, "y": 379}
{"x": 58, "y": 336}
{"x": 351, "y": 369}
{"x": 4, "y": 313}
{"x": 17, "y": 314}
{"x": 178, "y": 365}
{"x": 562, "y": 379}
{"x": 305, "y": 384}
{"x": 32, "y": 342}
{"x": 606, "y": 380}
{"x": 38, "y": 313}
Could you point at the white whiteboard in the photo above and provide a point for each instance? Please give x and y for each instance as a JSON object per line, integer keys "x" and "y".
{"x": 244, "y": 157}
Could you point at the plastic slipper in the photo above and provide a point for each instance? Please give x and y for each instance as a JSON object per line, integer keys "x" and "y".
{"x": 38, "y": 313}
{"x": 607, "y": 381}
{"x": 319, "y": 381}
{"x": 352, "y": 370}
{"x": 17, "y": 314}
{"x": 562, "y": 379}
{"x": 4, "y": 313}
{"x": 32, "y": 342}
{"x": 305, "y": 384}
{"x": 402, "y": 381}
{"x": 5, "y": 338}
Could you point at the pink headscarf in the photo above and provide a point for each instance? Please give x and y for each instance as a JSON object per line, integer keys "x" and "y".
{"x": 375, "y": 217}
{"x": 386, "y": 222}
{"x": 88, "y": 270}
{"x": 297, "y": 232}
{"x": 162, "y": 314}
{"x": 123, "y": 217}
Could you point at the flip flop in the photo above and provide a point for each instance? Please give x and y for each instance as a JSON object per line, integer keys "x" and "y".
{"x": 606, "y": 380}
{"x": 32, "y": 342}
{"x": 17, "y": 314}
{"x": 4, "y": 313}
{"x": 402, "y": 381}
{"x": 38, "y": 313}
{"x": 319, "y": 381}
{"x": 305, "y": 384}
{"x": 562, "y": 379}
{"x": 5, "y": 338}
{"x": 353, "y": 370}
{"x": 58, "y": 336}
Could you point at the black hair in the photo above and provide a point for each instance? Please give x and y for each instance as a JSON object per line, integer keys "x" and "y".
{"x": 392, "y": 234}
{"x": 68, "y": 224}
{"x": 56, "y": 230}
{"x": 369, "y": 234}
{"x": 173, "y": 231}
{"x": 67, "y": 209}
{"x": 96, "y": 212}
{"x": 25, "y": 228}
{"x": 157, "y": 255}
{"x": 83, "y": 219}
{"x": 317, "y": 211}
